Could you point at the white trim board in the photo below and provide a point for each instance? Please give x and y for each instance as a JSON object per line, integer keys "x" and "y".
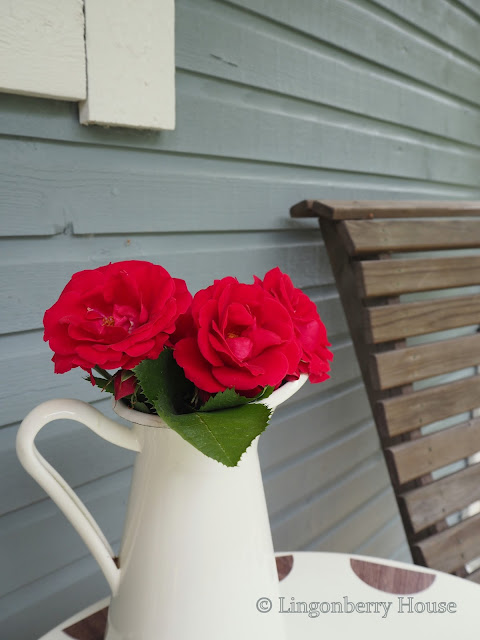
{"x": 42, "y": 48}
{"x": 115, "y": 57}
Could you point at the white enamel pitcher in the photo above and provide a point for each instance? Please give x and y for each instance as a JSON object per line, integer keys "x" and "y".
{"x": 196, "y": 553}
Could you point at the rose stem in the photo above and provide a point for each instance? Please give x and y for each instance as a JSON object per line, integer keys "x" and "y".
{"x": 102, "y": 372}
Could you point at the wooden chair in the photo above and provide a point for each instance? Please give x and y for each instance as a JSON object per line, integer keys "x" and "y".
{"x": 424, "y": 392}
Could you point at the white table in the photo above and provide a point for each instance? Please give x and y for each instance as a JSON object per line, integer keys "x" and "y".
{"x": 330, "y": 595}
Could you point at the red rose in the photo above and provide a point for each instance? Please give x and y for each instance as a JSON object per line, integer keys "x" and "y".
{"x": 241, "y": 338}
{"x": 309, "y": 329}
{"x": 114, "y": 316}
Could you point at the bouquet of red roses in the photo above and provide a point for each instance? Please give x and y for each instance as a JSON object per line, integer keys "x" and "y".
{"x": 200, "y": 363}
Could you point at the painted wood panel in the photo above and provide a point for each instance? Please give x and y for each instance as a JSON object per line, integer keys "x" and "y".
{"x": 299, "y": 525}
{"x": 42, "y": 51}
{"x": 392, "y": 42}
{"x": 319, "y": 467}
{"x": 458, "y": 28}
{"x": 118, "y": 184}
{"x": 326, "y": 418}
{"x": 288, "y": 62}
{"x": 389, "y": 538}
{"x": 86, "y": 194}
{"x": 472, "y": 5}
{"x": 21, "y": 352}
{"x": 402, "y": 554}
{"x": 51, "y": 599}
{"x": 368, "y": 518}
{"x": 73, "y": 450}
{"x": 224, "y": 112}
{"x": 56, "y": 542}
{"x": 23, "y": 116}
{"x": 40, "y": 278}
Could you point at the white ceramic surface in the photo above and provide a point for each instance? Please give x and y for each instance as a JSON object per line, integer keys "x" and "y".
{"x": 325, "y": 578}
{"x": 196, "y": 550}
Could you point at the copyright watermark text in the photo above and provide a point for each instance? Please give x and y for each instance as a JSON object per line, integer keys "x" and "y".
{"x": 314, "y": 609}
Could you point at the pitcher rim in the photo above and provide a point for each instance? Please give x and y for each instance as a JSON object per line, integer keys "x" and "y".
{"x": 279, "y": 396}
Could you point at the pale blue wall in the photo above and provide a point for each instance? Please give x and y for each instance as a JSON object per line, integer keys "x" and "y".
{"x": 277, "y": 101}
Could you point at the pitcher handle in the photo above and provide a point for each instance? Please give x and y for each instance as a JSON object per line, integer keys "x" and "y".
{"x": 53, "y": 483}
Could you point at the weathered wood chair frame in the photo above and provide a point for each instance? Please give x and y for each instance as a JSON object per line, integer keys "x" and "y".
{"x": 362, "y": 239}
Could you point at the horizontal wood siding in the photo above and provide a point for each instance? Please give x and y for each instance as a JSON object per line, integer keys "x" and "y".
{"x": 277, "y": 101}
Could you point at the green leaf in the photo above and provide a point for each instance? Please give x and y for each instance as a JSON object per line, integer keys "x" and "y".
{"x": 230, "y": 398}
{"x": 266, "y": 393}
{"x": 141, "y": 406}
{"x": 225, "y": 400}
{"x": 105, "y": 385}
{"x": 223, "y": 434}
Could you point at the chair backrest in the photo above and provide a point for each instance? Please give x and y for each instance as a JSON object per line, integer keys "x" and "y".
{"x": 408, "y": 274}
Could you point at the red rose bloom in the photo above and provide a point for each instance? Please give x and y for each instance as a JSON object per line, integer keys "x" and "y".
{"x": 241, "y": 338}
{"x": 309, "y": 329}
{"x": 114, "y": 316}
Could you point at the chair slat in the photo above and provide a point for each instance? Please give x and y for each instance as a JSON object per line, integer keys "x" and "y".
{"x": 421, "y": 456}
{"x": 408, "y": 412}
{"x": 449, "y": 550}
{"x": 398, "y": 321}
{"x": 367, "y": 209}
{"x": 434, "y": 501}
{"x": 374, "y": 236}
{"x": 394, "y": 277}
{"x": 396, "y": 368}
